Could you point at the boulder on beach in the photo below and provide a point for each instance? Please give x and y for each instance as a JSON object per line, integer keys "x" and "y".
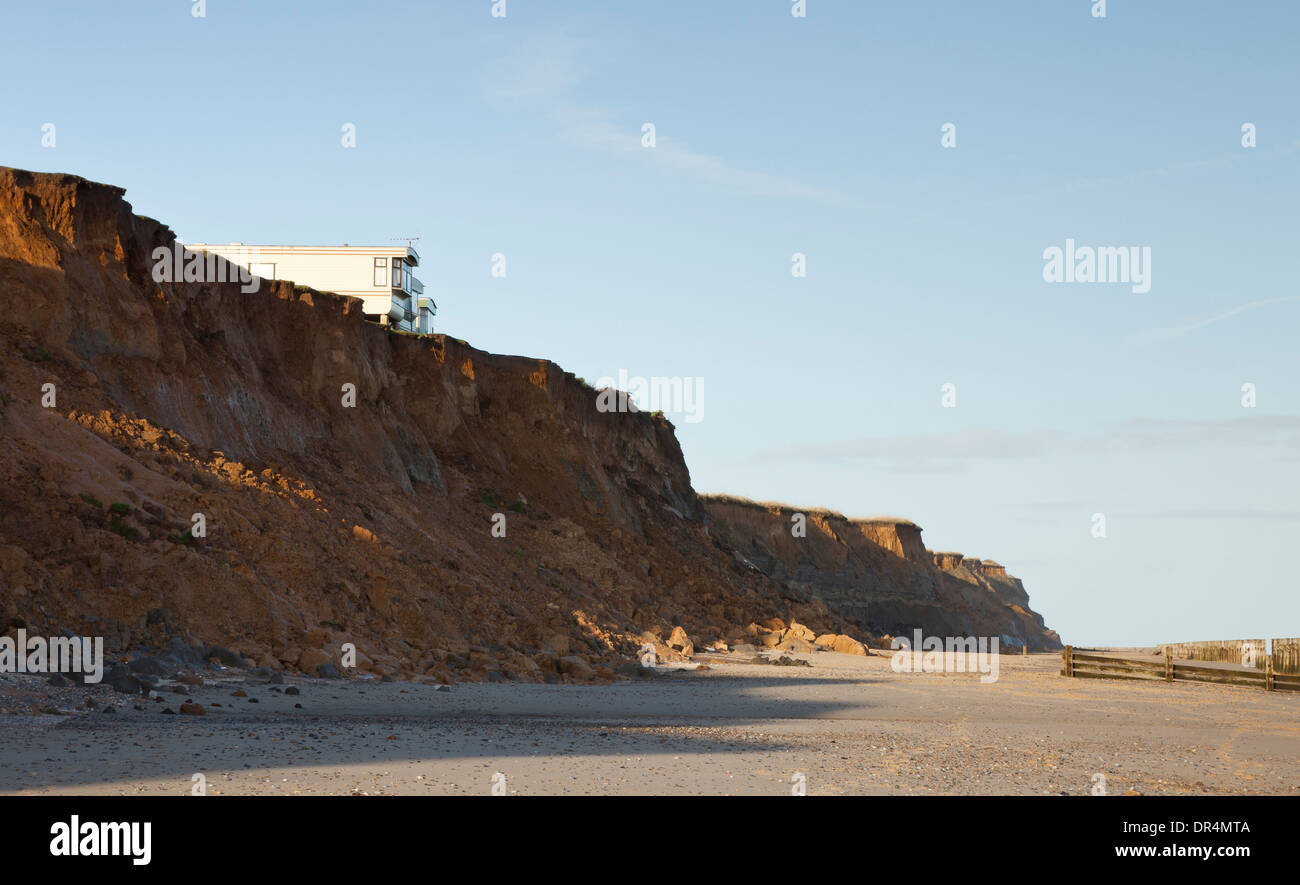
{"x": 841, "y": 643}
{"x": 679, "y": 642}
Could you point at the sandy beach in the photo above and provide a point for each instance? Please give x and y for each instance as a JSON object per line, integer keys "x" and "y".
{"x": 847, "y": 725}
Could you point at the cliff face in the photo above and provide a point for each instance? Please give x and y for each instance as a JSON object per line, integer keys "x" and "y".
{"x": 130, "y": 408}
{"x": 325, "y": 523}
{"x": 901, "y": 537}
{"x": 879, "y": 574}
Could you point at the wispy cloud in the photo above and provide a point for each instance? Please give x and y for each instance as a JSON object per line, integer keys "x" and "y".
{"x": 1166, "y": 333}
{"x": 547, "y": 65}
{"x": 674, "y": 157}
{"x": 1116, "y": 182}
{"x": 1149, "y": 435}
{"x": 962, "y": 445}
{"x": 545, "y": 74}
{"x": 1248, "y": 513}
{"x": 937, "y": 453}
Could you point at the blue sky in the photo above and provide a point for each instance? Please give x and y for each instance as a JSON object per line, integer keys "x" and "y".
{"x": 775, "y": 135}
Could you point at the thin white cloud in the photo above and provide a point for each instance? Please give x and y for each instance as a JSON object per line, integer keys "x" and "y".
{"x": 1168, "y": 333}
{"x": 1079, "y": 185}
{"x": 1248, "y": 513}
{"x": 544, "y": 70}
{"x": 547, "y": 64}
{"x": 962, "y": 445}
{"x": 1278, "y": 434}
{"x": 674, "y": 157}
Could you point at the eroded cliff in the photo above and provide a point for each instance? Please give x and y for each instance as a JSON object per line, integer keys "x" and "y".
{"x": 129, "y": 408}
{"x": 325, "y": 523}
{"x": 878, "y": 573}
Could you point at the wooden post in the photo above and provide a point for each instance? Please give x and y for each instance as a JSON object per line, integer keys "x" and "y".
{"x": 1169, "y": 664}
{"x": 1024, "y": 650}
{"x": 1067, "y": 659}
{"x": 1268, "y": 673}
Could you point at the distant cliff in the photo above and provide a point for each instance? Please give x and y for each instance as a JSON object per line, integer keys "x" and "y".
{"x": 878, "y": 573}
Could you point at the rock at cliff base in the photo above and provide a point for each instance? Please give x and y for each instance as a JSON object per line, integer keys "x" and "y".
{"x": 557, "y": 645}
{"x": 665, "y": 654}
{"x": 225, "y": 656}
{"x": 311, "y": 659}
{"x": 841, "y": 643}
{"x": 572, "y": 665}
{"x": 795, "y": 643}
{"x": 799, "y": 631}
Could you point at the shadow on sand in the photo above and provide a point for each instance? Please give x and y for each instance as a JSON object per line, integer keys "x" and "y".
{"x": 347, "y": 723}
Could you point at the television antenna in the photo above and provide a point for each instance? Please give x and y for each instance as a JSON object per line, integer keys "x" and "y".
{"x": 410, "y": 241}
